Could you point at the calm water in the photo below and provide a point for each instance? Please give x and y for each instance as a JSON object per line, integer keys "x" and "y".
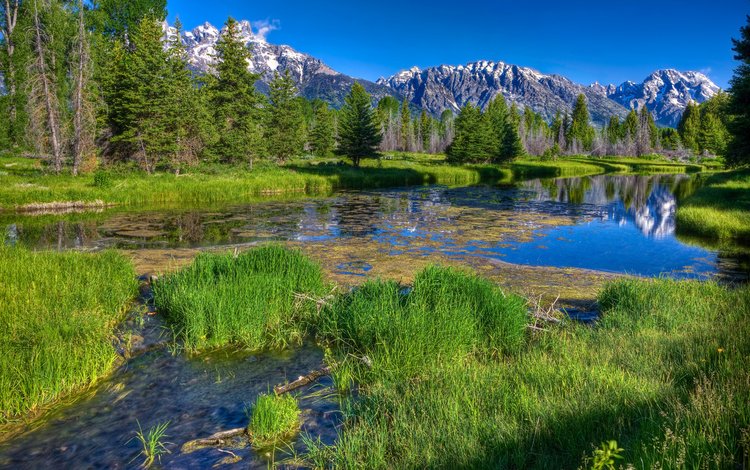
{"x": 622, "y": 224}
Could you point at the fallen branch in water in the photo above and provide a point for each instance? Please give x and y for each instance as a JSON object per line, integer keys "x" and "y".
{"x": 302, "y": 381}
{"x": 218, "y": 439}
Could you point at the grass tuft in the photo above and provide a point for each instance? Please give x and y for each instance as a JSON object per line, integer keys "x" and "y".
{"x": 246, "y": 299}
{"x": 273, "y": 420}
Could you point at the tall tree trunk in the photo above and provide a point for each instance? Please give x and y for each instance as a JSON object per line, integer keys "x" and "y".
{"x": 11, "y": 18}
{"x": 48, "y": 95}
{"x": 80, "y": 131}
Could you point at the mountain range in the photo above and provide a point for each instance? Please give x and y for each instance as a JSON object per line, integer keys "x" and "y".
{"x": 666, "y": 93}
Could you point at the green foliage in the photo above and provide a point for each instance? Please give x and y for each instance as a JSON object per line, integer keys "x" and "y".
{"x": 606, "y": 455}
{"x": 152, "y": 443}
{"x": 580, "y": 128}
{"x": 273, "y": 419}
{"x": 58, "y": 312}
{"x": 119, "y": 18}
{"x": 247, "y": 299}
{"x": 359, "y": 134}
{"x": 690, "y": 127}
{"x": 323, "y": 132}
{"x": 738, "y": 152}
{"x": 235, "y": 100}
{"x": 669, "y": 138}
{"x": 473, "y": 142}
{"x": 285, "y": 132}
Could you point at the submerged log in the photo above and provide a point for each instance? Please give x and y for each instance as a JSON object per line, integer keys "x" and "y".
{"x": 218, "y": 439}
{"x": 302, "y": 381}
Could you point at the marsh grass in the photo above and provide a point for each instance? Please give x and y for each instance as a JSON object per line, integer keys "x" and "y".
{"x": 447, "y": 316}
{"x": 245, "y": 299}
{"x": 273, "y": 419}
{"x": 153, "y": 445}
{"x": 720, "y": 210}
{"x": 58, "y": 312}
{"x": 665, "y": 374}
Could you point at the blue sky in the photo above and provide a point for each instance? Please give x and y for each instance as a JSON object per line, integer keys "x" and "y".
{"x": 609, "y": 42}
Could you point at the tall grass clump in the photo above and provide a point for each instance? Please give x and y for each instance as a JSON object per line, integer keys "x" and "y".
{"x": 152, "y": 443}
{"x": 250, "y": 299}
{"x": 665, "y": 374}
{"x": 448, "y": 315}
{"x": 273, "y": 419}
{"x": 58, "y": 312}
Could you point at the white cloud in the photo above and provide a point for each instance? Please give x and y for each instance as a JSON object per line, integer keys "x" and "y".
{"x": 263, "y": 27}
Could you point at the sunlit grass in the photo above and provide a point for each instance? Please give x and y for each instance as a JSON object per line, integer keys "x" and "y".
{"x": 249, "y": 299}
{"x": 152, "y": 443}
{"x": 273, "y": 419}
{"x": 58, "y": 312}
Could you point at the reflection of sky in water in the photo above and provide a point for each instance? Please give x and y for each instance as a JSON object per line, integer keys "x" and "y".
{"x": 620, "y": 224}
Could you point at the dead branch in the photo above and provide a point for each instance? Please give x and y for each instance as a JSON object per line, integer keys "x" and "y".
{"x": 303, "y": 380}
{"x": 218, "y": 439}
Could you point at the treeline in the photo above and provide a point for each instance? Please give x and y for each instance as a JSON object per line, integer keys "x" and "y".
{"x": 87, "y": 83}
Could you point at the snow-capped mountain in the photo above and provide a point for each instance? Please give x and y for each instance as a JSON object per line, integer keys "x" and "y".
{"x": 451, "y": 87}
{"x": 666, "y": 93}
{"x": 314, "y": 78}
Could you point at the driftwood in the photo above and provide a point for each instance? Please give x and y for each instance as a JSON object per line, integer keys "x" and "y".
{"x": 302, "y": 381}
{"x": 218, "y": 439}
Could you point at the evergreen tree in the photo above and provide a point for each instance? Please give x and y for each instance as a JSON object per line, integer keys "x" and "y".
{"x": 406, "y": 130}
{"x": 630, "y": 125}
{"x": 714, "y": 135}
{"x": 147, "y": 97}
{"x": 473, "y": 141}
{"x": 120, "y": 17}
{"x": 512, "y": 146}
{"x": 425, "y": 128}
{"x": 497, "y": 116}
{"x": 738, "y": 152}
{"x": 235, "y": 100}
{"x": 322, "y": 133}
{"x": 359, "y": 135}
{"x": 670, "y": 138}
{"x": 388, "y": 108}
{"x": 580, "y": 127}
{"x": 84, "y": 95}
{"x": 285, "y": 133}
{"x": 614, "y": 131}
{"x": 689, "y": 127}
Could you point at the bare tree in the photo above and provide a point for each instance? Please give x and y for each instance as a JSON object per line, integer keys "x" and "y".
{"x": 43, "y": 90}
{"x": 83, "y": 114}
{"x": 7, "y": 28}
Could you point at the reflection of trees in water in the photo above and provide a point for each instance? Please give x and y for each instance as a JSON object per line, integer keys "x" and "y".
{"x": 648, "y": 201}
{"x": 61, "y": 234}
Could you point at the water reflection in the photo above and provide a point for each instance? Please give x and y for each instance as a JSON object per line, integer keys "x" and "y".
{"x": 612, "y": 223}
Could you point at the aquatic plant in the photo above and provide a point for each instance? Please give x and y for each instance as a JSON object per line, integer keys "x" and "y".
{"x": 58, "y": 312}
{"x": 272, "y": 419}
{"x": 257, "y": 299}
{"x": 152, "y": 443}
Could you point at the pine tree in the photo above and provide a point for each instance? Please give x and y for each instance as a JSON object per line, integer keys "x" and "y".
{"x": 425, "y": 129}
{"x": 148, "y": 97}
{"x": 121, "y": 17}
{"x": 738, "y": 152}
{"x": 236, "y": 101}
{"x": 359, "y": 135}
{"x": 285, "y": 133}
{"x": 580, "y": 127}
{"x": 406, "y": 130}
{"x": 644, "y": 133}
{"x": 512, "y": 146}
{"x": 614, "y": 131}
{"x": 322, "y": 133}
{"x": 689, "y": 127}
{"x": 474, "y": 141}
{"x": 497, "y": 115}
{"x": 714, "y": 134}
{"x": 630, "y": 125}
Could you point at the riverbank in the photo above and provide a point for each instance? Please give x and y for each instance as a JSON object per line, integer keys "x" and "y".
{"x": 27, "y": 187}
{"x": 720, "y": 210}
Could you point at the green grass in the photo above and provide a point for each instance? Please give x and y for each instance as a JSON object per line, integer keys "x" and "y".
{"x": 448, "y": 316}
{"x": 24, "y": 185}
{"x": 152, "y": 443}
{"x": 58, "y": 312}
{"x": 665, "y": 374}
{"x": 720, "y": 210}
{"x": 273, "y": 419}
{"x": 247, "y": 300}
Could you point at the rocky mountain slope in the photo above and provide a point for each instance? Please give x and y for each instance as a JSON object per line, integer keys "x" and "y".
{"x": 314, "y": 78}
{"x": 665, "y": 92}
